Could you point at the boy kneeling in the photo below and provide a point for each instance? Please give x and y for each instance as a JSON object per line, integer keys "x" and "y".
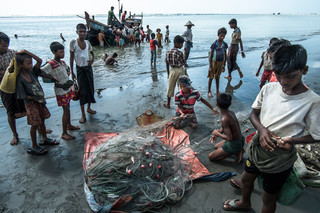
{"x": 185, "y": 99}
{"x": 230, "y": 132}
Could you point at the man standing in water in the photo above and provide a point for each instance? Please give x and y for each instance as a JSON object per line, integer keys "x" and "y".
{"x": 234, "y": 49}
{"x": 188, "y": 39}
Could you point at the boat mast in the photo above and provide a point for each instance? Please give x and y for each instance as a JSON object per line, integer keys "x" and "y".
{"x": 119, "y": 9}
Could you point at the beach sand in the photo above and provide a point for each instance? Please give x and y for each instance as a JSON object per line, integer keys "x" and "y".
{"x": 54, "y": 182}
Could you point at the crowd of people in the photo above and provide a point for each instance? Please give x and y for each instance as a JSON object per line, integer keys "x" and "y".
{"x": 281, "y": 113}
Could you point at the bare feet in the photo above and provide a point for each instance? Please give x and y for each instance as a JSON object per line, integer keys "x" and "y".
{"x": 15, "y": 141}
{"x": 91, "y": 111}
{"x": 48, "y": 131}
{"x": 228, "y": 77}
{"x": 165, "y": 104}
{"x": 71, "y": 127}
{"x": 240, "y": 156}
{"x": 210, "y": 94}
{"x": 67, "y": 137}
{"x": 82, "y": 120}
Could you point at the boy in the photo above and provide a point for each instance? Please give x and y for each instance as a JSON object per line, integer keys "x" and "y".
{"x": 137, "y": 35}
{"x": 30, "y": 90}
{"x": 159, "y": 37}
{"x": 234, "y": 49}
{"x": 266, "y": 62}
{"x": 111, "y": 59}
{"x": 217, "y": 60}
{"x": 153, "y": 48}
{"x": 14, "y": 107}
{"x": 79, "y": 52}
{"x": 281, "y": 113}
{"x": 58, "y": 69}
{"x": 185, "y": 99}
{"x": 149, "y": 31}
{"x": 174, "y": 59}
{"x": 166, "y": 38}
{"x": 230, "y": 132}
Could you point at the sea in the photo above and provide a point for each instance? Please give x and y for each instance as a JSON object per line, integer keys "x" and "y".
{"x": 36, "y": 33}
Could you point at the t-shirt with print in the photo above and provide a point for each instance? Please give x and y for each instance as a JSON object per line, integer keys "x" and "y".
{"x": 219, "y": 52}
{"x": 32, "y": 89}
{"x": 58, "y": 70}
{"x": 187, "y": 104}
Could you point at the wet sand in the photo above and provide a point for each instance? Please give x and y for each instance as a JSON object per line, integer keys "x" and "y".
{"x": 54, "y": 182}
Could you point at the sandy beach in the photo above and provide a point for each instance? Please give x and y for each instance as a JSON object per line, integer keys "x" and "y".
{"x": 54, "y": 182}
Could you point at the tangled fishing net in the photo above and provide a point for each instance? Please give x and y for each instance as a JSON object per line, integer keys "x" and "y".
{"x": 138, "y": 164}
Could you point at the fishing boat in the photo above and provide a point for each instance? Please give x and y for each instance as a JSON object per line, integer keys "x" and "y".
{"x": 95, "y": 26}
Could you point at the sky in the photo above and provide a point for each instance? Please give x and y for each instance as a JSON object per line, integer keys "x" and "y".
{"x": 72, "y": 7}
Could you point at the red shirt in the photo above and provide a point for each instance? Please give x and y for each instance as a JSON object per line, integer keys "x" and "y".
{"x": 153, "y": 44}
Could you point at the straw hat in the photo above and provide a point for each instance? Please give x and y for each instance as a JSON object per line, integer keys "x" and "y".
{"x": 189, "y": 23}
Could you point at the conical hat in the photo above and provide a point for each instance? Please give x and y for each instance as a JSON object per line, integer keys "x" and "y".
{"x": 189, "y": 23}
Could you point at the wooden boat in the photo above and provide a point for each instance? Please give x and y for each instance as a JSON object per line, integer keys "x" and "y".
{"x": 96, "y": 26}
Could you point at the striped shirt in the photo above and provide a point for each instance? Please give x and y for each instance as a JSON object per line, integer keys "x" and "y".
{"x": 187, "y": 104}
{"x": 175, "y": 58}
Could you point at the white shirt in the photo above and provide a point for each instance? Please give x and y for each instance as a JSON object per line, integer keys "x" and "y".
{"x": 288, "y": 115}
{"x": 81, "y": 56}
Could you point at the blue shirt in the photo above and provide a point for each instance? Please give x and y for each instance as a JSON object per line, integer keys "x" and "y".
{"x": 219, "y": 52}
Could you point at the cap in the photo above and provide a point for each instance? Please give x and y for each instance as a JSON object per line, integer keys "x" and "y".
{"x": 185, "y": 80}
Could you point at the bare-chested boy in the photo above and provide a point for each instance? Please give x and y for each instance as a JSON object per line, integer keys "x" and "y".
{"x": 230, "y": 132}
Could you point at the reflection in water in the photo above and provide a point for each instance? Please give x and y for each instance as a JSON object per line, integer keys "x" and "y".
{"x": 154, "y": 74}
{"x": 230, "y": 88}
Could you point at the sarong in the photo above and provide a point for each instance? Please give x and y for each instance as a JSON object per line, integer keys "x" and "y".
{"x": 232, "y": 58}
{"x": 86, "y": 86}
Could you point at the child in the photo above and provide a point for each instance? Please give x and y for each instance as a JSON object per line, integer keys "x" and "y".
{"x": 121, "y": 41}
{"x": 217, "y": 61}
{"x": 137, "y": 37}
{"x": 281, "y": 113}
{"x": 174, "y": 59}
{"x": 142, "y": 34}
{"x": 185, "y": 99}
{"x": 267, "y": 66}
{"x": 166, "y": 38}
{"x": 58, "y": 69}
{"x": 79, "y": 52}
{"x": 159, "y": 37}
{"x": 234, "y": 49}
{"x": 30, "y": 90}
{"x": 230, "y": 132}
{"x": 111, "y": 59}
{"x": 149, "y": 31}
{"x": 14, "y": 107}
{"x": 153, "y": 47}
{"x": 101, "y": 38}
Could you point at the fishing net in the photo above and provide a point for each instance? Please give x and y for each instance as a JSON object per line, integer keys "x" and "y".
{"x": 141, "y": 170}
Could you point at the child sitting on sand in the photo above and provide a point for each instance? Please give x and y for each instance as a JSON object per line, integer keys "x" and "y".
{"x": 185, "y": 99}
{"x": 58, "y": 69}
{"x": 111, "y": 59}
{"x": 217, "y": 60}
{"x": 230, "y": 132}
{"x": 30, "y": 90}
{"x": 266, "y": 62}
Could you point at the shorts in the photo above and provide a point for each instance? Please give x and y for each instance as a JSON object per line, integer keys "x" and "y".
{"x": 180, "y": 122}
{"x": 271, "y": 182}
{"x": 36, "y": 113}
{"x": 64, "y": 100}
{"x": 234, "y": 146}
{"x": 12, "y": 104}
{"x": 266, "y": 75}
{"x": 217, "y": 68}
{"x": 121, "y": 41}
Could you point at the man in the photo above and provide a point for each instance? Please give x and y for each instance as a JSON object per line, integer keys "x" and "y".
{"x": 188, "y": 39}
{"x": 112, "y": 19}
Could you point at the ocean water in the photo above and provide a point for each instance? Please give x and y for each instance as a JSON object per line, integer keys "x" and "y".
{"x": 36, "y": 33}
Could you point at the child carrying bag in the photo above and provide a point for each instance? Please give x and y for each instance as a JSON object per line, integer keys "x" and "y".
{"x": 9, "y": 80}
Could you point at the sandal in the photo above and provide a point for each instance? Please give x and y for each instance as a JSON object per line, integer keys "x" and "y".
{"x": 236, "y": 183}
{"x": 232, "y": 206}
{"x": 49, "y": 141}
{"x": 37, "y": 150}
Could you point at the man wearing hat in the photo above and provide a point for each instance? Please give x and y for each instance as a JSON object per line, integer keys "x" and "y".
{"x": 188, "y": 39}
{"x": 185, "y": 99}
